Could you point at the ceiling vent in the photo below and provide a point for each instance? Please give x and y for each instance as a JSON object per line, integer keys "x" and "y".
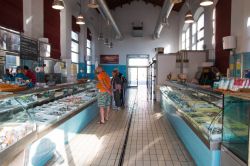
{"x": 137, "y": 29}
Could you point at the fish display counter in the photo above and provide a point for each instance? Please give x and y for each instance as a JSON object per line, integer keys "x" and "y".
{"x": 28, "y": 117}
{"x": 196, "y": 115}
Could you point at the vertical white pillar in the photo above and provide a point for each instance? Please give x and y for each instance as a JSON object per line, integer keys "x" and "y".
{"x": 65, "y": 33}
{"x": 33, "y": 18}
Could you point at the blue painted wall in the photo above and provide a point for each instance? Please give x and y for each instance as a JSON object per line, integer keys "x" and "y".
{"x": 110, "y": 68}
{"x": 84, "y": 67}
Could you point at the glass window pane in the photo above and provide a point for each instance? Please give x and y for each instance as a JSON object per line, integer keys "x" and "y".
{"x": 74, "y": 57}
{"x": 194, "y": 47}
{"x": 213, "y": 40}
{"x": 88, "y": 62}
{"x": 88, "y": 43}
{"x": 193, "y": 40}
{"x": 187, "y": 45}
{"x": 183, "y": 37}
{"x": 88, "y": 52}
{"x": 137, "y": 62}
{"x": 74, "y": 36}
{"x": 200, "y": 22}
{"x": 214, "y": 14}
{"x": 74, "y": 47}
{"x": 213, "y": 26}
{"x": 200, "y": 35}
{"x": 200, "y": 45}
{"x": 188, "y": 39}
{"x": 88, "y": 69}
{"x": 194, "y": 30}
{"x": 183, "y": 45}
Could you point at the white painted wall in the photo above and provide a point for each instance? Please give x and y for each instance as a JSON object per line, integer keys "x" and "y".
{"x": 240, "y": 24}
{"x": 148, "y": 14}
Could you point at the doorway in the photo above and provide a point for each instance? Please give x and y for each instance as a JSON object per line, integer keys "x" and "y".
{"x": 137, "y": 70}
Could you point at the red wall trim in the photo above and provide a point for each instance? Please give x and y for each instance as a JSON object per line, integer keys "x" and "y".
{"x": 223, "y": 28}
{"x": 52, "y": 28}
{"x": 11, "y": 14}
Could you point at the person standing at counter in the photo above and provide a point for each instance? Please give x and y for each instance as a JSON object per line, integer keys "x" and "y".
{"x": 31, "y": 75}
{"x": 104, "y": 94}
{"x": 8, "y": 76}
{"x": 19, "y": 74}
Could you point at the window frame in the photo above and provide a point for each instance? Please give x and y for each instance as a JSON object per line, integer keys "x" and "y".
{"x": 88, "y": 55}
{"x": 214, "y": 27}
{"x": 200, "y": 31}
{"x": 73, "y": 51}
{"x": 185, "y": 37}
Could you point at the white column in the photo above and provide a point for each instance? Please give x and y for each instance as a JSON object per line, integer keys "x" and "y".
{"x": 33, "y": 18}
{"x": 65, "y": 33}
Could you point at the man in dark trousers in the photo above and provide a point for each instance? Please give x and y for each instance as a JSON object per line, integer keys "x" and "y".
{"x": 123, "y": 83}
{"x": 117, "y": 89}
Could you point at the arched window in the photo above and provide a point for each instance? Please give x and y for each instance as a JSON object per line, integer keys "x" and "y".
{"x": 198, "y": 30}
{"x": 89, "y": 51}
{"x": 186, "y": 38}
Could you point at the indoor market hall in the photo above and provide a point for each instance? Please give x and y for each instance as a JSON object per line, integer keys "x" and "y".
{"x": 124, "y": 82}
{"x": 136, "y": 135}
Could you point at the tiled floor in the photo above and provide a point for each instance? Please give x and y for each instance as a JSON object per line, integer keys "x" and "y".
{"x": 151, "y": 139}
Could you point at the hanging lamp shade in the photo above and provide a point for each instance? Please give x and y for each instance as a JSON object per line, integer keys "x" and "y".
{"x": 58, "y": 4}
{"x": 100, "y": 37}
{"x": 164, "y": 21}
{"x": 106, "y": 41}
{"x": 189, "y": 19}
{"x": 176, "y": 1}
{"x": 110, "y": 45}
{"x": 206, "y": 2}
{"x": 80, "y": 20}
{"x": 93, "y": 4}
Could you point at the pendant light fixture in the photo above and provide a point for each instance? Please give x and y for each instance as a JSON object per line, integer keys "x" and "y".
{"x": 93, "y": 4}
{"x": 80, "y": 18}
{"x": 106, "y": 41}
{"x": 100, "y": 36}
{"x": 58, "y": 4}
{"x": 189, "y": 19}
{"x": 111, "y": 39}
{"x": 110, "y": 45}
{"x": 206, "y": 2}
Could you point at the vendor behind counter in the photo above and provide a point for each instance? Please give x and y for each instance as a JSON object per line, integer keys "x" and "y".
{"x": 8, "y": 76}
{"x": 22, "y": 77}
{"x": 30, "y": 74}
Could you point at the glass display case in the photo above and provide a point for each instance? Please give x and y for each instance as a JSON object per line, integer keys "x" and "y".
{"x": 236, "y": 125}
{"x": 34, "y": 111}
{"x": 201, "y": 109}
{"x": 15, "y": 122}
